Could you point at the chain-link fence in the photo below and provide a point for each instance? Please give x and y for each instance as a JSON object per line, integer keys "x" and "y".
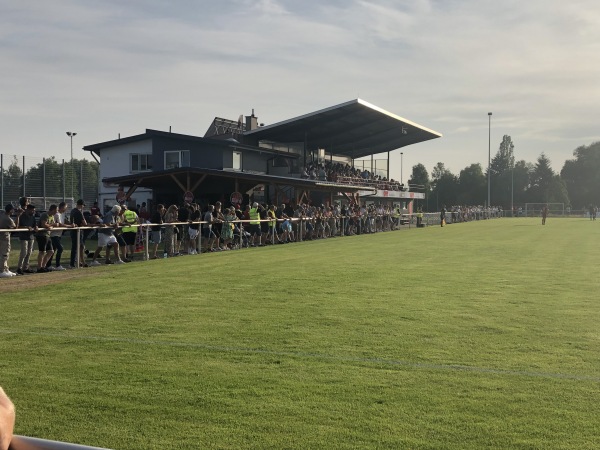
{"x": 47, "y": 180}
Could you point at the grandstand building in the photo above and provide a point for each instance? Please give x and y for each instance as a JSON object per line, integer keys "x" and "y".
{"x": 244, "y": 160}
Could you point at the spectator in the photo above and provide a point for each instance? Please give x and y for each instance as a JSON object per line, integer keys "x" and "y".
{"x": 217, "y": 223}
{"x": 170, "y": 218}
{"x": 254, "y": 226}
{"x": 106, "y": 235}
{"x": 78, "y": 220}
{"x": 264, "y": 224}
{"x": 56, "y": 235}
{"x": 227, "y": 227}
{"x": 272, "y": 225}
{"x": 130, "y": 231}
{"x": 194, "y": 228}
{"x": 284, "y": 224}
{"x": 46, "y": 251}
{"x": 119, "y": 233}
{"x": 208, "y": 233}
{"x": 26, "y": 220}
{"x": 95, "y": 210}
{"x": 6, "y": 223}
{"x": 157, "y": 218}
{"x": 183, "y": 215}
{"x": 144, "y": 213}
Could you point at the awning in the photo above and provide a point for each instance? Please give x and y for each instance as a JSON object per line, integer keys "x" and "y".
{"x": 354, "y": 129}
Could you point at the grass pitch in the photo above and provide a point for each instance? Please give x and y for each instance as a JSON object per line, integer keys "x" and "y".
{"x": 476, "y": 335}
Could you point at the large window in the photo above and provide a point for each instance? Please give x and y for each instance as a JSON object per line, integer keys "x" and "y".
{"x": 140, "y": 162}
{"x": 237, "y": 161}
{"x": 177, "y": 158}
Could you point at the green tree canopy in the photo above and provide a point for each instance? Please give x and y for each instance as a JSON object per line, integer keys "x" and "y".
{"x": 582, "y": 176}
{"x": 545, "y": 185}
{"x": 420, "y": 177}
{"x": 472, "y": 186}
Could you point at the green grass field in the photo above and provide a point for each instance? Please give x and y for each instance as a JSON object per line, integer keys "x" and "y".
{"x": 471, "y": 336}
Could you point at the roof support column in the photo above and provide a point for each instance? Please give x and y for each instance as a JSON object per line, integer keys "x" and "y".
{"x": 388, "y": 167}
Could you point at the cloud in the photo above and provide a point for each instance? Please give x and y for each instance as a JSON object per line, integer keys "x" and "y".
{"x": 113, "y": 66}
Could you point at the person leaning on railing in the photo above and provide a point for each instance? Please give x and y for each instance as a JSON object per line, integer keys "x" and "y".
{"x": 78, "y": 220}
{"x": 6, "y": 223}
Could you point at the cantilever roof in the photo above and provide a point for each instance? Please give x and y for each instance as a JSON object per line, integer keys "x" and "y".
{"x": 355, "y": 129}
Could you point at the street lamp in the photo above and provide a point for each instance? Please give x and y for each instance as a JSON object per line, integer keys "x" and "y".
{"x": 489, "y": 155}
{"x": 71, "y": 134}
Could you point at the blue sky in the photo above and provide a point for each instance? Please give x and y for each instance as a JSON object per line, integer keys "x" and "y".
{"x": 110, "y": 67}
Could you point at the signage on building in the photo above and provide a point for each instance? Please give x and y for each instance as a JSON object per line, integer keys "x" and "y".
{"x": 188, "y": 197}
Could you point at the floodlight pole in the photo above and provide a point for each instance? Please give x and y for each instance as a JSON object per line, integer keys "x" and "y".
{"x": 71, "y": 134}
{"x": 489, "y": 156}
{"x": 512, "y": 189}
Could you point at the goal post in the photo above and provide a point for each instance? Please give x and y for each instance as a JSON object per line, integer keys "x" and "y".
{"x": 535, "y": 209}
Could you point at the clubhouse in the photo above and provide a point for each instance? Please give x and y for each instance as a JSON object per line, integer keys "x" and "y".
{"x": 315, "y": 158}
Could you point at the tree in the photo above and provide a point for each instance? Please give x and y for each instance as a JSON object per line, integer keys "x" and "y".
{"x": 438, "y": 171}
{"x": 504, "y": 160}
{"x": 520, "y": 182}
{"x": 419, "y": 180}
{"x": 582, "y": 175}
{"x": 45, "y": 178}
{"x": 545, "y": 185}
{"x": 12, "y": 181}
{"x": 444, "y": 186}
{"x": 446, "y": 189}
{"x": 420, "y": 177}
{"x": 501, "y": 173}
{"x": 472, "y": 186}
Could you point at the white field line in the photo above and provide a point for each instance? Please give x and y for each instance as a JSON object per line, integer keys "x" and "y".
{"x": 324, "y": 357}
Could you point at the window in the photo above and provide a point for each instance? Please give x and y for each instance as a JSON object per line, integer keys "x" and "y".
{"x": 140, "y": 162}
{"x": 237, "y": 161}
{"x": 177, "y": 158}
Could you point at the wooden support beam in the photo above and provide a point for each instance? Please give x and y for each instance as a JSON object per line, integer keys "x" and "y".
{"x": 199, "y": 182}
{"x": 183, "y": 189}
{"x": 132, "y": 189}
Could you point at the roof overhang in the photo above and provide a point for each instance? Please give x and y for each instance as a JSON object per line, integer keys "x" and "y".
{"x": 158, "y": 179}
{"x": 354, "y": 129}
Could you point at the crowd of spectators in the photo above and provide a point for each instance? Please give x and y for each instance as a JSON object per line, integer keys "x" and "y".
{"x": 173, "y": 230}
{"x": 345, "y": 174}
{"x": 466, "y": 213}
{"x": 131, "y": 233}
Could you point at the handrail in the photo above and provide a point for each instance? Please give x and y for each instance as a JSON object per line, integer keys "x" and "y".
{"x": 29, "y": 443}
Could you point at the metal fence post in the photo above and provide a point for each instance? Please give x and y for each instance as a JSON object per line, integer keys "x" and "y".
{"x": 44, "y": 181}
{"x": 24, "y": 191}
{"x": 146, "y": 240}
{"x": 64, "y": 188}
{"x": 81, "y": 194}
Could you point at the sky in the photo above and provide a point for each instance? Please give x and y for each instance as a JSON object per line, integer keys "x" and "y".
{"x": 106, "y": 68}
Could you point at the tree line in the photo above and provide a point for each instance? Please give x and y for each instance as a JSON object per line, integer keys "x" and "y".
{"x": 77, "y": 178}
{"x": 514, "y": 182}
